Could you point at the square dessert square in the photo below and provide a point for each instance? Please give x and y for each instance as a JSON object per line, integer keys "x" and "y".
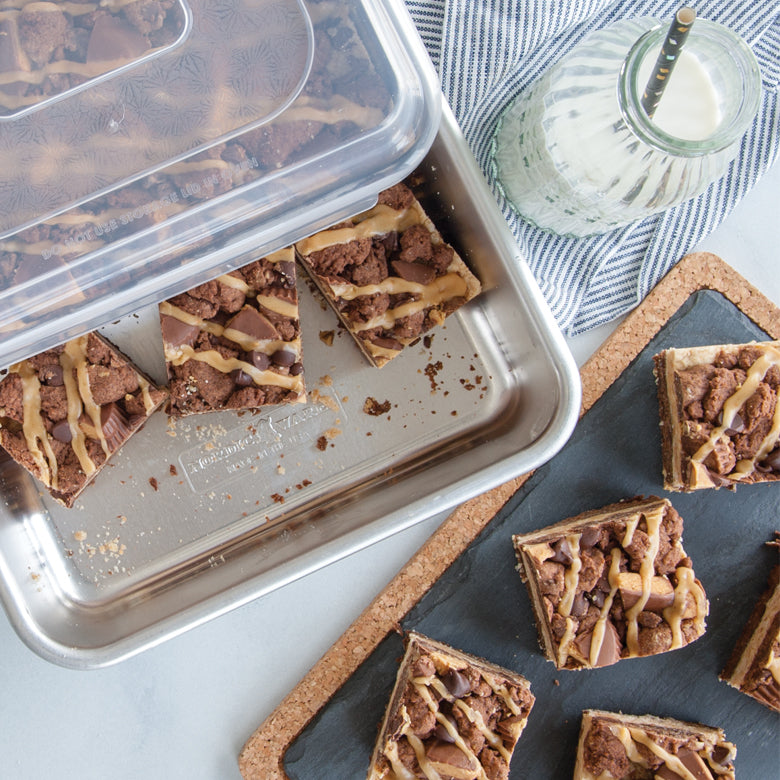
{"x": 450, "y": 715}
{"x": 66, "y": 411}
{"x": 754, "y": 665}
{"x": 235, "y": 342}
{"x": 720, "y": 419}
{"x": 622, "y": 747}
{"x": 388, "y": 274}
{"x": 612, "y": 583}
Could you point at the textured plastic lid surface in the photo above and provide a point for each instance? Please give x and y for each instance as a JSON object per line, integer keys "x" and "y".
{"x": 149, "y": 145}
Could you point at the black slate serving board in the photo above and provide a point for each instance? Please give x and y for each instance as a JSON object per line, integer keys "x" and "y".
{"x": 480, "y": 605}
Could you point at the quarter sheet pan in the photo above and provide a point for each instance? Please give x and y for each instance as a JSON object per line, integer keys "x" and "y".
{"x": 197, "y": 517}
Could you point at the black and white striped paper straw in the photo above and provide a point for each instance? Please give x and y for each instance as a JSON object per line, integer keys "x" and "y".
{"x": 670, "y": 51}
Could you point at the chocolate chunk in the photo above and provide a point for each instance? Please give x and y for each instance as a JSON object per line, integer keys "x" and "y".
{"x": 252, "y": 323}
{"x": 450, "y": 755}
{"x": 609, "y": 650}
{"x": 116, "y": 428}
{"x": 414, "y": 272}
{"x": 296, "y": 369}
{"x": 113, "y": 39}
{"x": 456, "y": 683}
{"x": 177, "y": 333}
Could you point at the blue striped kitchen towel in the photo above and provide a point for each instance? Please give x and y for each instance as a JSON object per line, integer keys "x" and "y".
{"x": 486, "y": 51}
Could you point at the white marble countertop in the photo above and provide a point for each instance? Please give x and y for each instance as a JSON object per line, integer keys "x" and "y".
{"x": 185, "y": 708}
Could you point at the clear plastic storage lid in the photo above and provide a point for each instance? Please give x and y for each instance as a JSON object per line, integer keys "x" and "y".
{"x": 148, "y": 145}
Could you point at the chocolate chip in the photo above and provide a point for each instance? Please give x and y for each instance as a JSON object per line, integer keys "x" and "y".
{"x": 579, "y": 606}
{"x": 283, "y": 357}
{"x": 258, "y": 359}
{"x": 737, "y": 425}
{"x": 387, "y": 343}
{"x": 296, "y": 369}
{"x": 562, "y": 552}
{"x": 241, "y": 378}
{"x": 52, "y": 375}
{"x": 62, "y": 432}
{"x": 441, "y": 733}
{"x": 456, "y": 683}
{"x": 286, "y": 269}
{"x": 772, "y": 461}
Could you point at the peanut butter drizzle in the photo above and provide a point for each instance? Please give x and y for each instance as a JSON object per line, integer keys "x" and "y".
{"x": 32, "y": 424}
{"x": 69, "y": 360}
{"x": 630, "y": 737}
{"x": 653, "y": 520}
{"x": 442, "y": 288}
{"x": 182, "y": 354}
{"x": 733, "y": 404}
{"x": 599, "y": 629}
{"x": 674, "y": 615}
{"x": 269, "y": 346}
{"x": 378, "y": 221}
{"x": 79, "y": 355}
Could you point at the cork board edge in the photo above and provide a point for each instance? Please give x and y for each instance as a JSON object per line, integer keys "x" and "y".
{"x": 262, "y": 756}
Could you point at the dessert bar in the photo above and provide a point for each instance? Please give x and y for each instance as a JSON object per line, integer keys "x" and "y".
{"x": 624, "y": 747}
{"x": 612, "y": 583}
{"x": 720, "y": 420}
{"x": 66, "y": 411}
{"x": 450, "y": 715}
{"x": 754, "y": 666}
{"x": 235, "y": 342}
{"x": 388, "y": 274}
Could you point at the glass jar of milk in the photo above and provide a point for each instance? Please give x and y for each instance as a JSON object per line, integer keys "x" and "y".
{"x": 576, "y": 153}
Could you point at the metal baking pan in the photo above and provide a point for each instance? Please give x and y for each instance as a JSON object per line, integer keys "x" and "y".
{"x": 197, "y": 517}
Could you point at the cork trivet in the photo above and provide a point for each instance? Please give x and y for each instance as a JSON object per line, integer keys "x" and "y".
{"x": 262, "y": 756}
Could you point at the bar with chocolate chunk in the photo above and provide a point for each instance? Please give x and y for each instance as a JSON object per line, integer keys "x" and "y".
{"x": 235, "y": 342}
{"x": 622, "y": 747}
{"x": 450, "y": 715}
{"x": 66, "y": 411}
{"x": 388, "y": 274}
{"x": 754, "y": 665}
{"x": 612, "y": 583}
{"x": 720, "y": 419}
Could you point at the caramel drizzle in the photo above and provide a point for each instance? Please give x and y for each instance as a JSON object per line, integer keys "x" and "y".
{"x": 731, "y": 407}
